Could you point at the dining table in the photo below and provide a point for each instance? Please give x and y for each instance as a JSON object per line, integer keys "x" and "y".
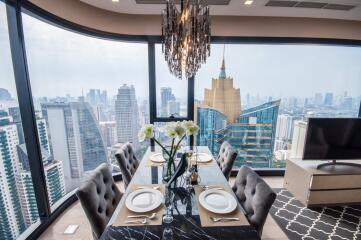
{"x": 185, "y": 210}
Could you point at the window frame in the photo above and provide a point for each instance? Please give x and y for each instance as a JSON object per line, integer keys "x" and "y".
{"x": 15, "y": 8}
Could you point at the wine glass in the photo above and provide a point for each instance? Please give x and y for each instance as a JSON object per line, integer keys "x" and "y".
{"x": 168, "y": 218}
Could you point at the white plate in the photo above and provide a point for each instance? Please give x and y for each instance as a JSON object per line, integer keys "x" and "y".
{"x": 144, "y": 200}
{"x": 157, "y": 157}
{"x": 217, "y": 201}
{"x": 202, "y": 157}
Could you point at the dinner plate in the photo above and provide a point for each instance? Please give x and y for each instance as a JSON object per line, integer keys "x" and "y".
{"x": 144, "y": 200}
{"x": 157, "y": 158}
{"x": 202, "y": 157}
{"x": 217, "y": 201}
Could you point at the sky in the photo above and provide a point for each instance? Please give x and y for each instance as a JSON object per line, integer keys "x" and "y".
{"x": 62, "y": 62}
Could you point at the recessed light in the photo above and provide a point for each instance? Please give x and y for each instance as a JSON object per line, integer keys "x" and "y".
{"x": 115, "y": 0}
{"x": 248, "y": 2}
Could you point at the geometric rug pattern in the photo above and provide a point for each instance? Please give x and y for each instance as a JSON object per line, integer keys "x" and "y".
{"x": 323, "y": 223}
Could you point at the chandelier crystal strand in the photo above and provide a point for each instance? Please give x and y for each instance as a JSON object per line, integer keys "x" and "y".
{"x": 186, "y": 36}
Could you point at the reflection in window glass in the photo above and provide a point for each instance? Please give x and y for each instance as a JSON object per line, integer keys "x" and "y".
{"x": 259, "y": 97}
{"x": 18, "y": 208}
{"x": 171, "y": 92}
{"x": 92, "y": 96}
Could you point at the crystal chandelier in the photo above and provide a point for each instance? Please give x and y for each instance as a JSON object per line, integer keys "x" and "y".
{"x": 186, "y": 36}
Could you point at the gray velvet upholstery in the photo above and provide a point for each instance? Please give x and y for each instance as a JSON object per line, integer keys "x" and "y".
{"x": 255, "y": 196}
{"x": 99, "y": 197}
{"x": 226, "y": 157}
{"x": 127, "y": 161}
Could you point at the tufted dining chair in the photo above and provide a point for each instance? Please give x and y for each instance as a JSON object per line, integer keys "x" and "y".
{"x": 127, "y": 161}
{"x": 226, "y": 157}
{"x": 99, "y": 197}
{"x": 254, "y": 195}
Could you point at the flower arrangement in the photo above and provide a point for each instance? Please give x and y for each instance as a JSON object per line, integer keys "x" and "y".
{"x": 176, "y": 131}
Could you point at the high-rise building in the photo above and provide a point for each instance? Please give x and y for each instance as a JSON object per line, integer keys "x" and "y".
{"x": 210, "y": 122}
{"x": 173, "y": 108}
{"x": 126, "y": 115}
{"x": 11, "y": 217}
{"x": 223, "y": 96}
{"x": 284, "y": 127}
{"x": 253, "y": 135}
{"x": 318, "y": 100}
{"x": 298, "y": 139}
{"x": 75, "y": 139}
{"x": 328, "y": 99}
{"x": 54, "y": 181}
{"x": 166, "y": 95}
{"x": 109, "y": 132}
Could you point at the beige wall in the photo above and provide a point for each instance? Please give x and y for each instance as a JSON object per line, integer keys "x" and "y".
{"x": 86, "y": 15}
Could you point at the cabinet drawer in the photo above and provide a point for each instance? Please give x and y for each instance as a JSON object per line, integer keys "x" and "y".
{"x": 334, "y": 197}
{"x": 336, "y": 182}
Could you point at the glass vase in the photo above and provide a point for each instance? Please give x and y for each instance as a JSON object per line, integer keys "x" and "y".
{"x": 168, "y": 166}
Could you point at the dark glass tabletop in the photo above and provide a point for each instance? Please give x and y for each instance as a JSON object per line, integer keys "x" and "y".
{"x": 186, "y": 221}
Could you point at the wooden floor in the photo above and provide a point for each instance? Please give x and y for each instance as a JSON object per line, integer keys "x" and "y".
{"x": 75, "y": 215}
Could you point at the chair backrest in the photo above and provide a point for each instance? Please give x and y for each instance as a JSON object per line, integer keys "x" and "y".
{"x": 127, "y": 161}
{"x": 99, "y": 197}
{"x": 255, "y": 196}
{"x": 226, "y": 157}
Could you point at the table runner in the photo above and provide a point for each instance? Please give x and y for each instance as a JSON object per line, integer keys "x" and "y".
{"x": 124, "y": 211}
{"x": 206, "y": 215}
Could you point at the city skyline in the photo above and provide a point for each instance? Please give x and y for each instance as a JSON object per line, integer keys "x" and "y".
{"x": 257, "y": 69}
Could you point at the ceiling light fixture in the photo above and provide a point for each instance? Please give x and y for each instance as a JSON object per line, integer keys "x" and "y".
{"x": 248, "y": 2}
{"x": 186, "y": 36}
{"x": 115, "y": 0}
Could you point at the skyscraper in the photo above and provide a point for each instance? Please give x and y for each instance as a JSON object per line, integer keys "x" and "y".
{"x": 328, "y": 99}
{"x": 126, "y": 115}
{"x": 166, "y": 96}
{"x": 223, "y": 96}
{"x": 173, "y": 108}
{"x": 298, "y": 139}
{"x": 284, "y": 127}
{"x": 75, "y": 139}
{"x": 11, "y": 218}
{"x": 109, "y": 132}
{"x": 54, "y": 181}
{"x": 252, "y": 135}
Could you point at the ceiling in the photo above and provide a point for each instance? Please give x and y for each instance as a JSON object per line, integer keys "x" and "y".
{"x": 238, "y": 8}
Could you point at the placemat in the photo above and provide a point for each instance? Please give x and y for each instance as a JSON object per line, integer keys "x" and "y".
{"x": 206, "y": 215}
{"x": 125, "y": 212}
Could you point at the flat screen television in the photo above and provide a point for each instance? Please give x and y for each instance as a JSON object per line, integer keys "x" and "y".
{"x": 333, "y": 139}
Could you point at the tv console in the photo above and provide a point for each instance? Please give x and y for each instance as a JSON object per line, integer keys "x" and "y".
{"x": 331, "y": 184}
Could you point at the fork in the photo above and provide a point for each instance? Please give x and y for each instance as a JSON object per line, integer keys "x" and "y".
{"x": 144, "y": 221}
{"x": 219, "y": 219}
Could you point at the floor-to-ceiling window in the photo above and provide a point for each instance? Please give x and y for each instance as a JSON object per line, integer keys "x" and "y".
{"x": 90, "y": 97}
{"x": 18, "y": 209}
{"x": 259, "y": 97}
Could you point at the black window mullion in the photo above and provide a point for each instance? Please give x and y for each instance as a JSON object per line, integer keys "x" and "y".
{"x": 16, "y": 37}
{"x": 152, "y": 86}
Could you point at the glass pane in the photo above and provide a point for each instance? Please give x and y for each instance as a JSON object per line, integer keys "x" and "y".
{"x": 172, "y": 97}
{"x": 259, "y": 97}
{"x": 18, "y": 209}
{"x": 92, "y": 95}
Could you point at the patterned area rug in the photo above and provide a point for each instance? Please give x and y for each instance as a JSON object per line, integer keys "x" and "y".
{"x": 327, "y": 223}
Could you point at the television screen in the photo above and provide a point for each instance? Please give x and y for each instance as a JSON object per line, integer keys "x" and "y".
{"x": 333, "y": 139}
